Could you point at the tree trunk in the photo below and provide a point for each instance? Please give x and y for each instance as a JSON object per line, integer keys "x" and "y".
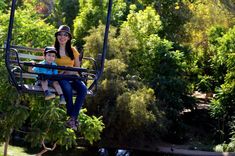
{"x": 6, "y": 145}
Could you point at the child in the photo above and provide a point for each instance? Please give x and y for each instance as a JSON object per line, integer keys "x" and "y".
{"x": 49, "y": 58}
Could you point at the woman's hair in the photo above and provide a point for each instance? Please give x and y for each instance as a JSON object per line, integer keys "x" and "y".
{"x": 68, "y": 49}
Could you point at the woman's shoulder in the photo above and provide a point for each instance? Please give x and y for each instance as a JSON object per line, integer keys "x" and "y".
{"x": 75, "y": 52}
{"x": 74, "y": 49}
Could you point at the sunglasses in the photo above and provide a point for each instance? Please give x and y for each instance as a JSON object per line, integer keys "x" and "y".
{"x": 63, "y": 34}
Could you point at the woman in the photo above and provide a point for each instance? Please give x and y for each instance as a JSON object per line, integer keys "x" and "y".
{"x": 69, "y": 56}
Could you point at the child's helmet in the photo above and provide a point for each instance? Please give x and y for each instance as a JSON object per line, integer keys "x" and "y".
{"x": 50, "y": 50}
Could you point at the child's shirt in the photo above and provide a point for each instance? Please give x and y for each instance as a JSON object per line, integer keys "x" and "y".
{"x": 45, "y": 70}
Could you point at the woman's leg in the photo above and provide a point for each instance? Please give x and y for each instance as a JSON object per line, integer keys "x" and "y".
{"x": 81, "y": 90}
{"x": 68, "y": 94}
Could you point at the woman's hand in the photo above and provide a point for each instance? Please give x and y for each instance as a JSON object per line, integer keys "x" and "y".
{"x": 30, "y": 69}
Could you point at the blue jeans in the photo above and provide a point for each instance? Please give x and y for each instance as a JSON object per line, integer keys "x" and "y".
{"x": 67, "y": 88}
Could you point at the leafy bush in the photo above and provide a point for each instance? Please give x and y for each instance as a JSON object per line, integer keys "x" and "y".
{"x": 48, "y": 122}
{"x": 91, "y": 127}
{"x": 25, "y": 31}
{"x": 205, "y": 84}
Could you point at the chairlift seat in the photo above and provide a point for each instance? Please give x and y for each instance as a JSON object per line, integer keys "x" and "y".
{"x": 20, "y": 59}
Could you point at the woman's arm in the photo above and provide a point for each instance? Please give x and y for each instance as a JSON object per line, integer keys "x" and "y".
{"x": 76, "y": 54}
{"x": 77, "y": 62}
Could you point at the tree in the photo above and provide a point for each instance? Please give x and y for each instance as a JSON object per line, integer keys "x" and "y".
{"x": 120, "y": 94}
{"x": 222, "y": 107}
{"x": 25, "y": 31}
{"x": 60, "y": 12}
{"x": 2, "y": 5}
{"x": 152, "y": 59}
{"x": 174, "y": 14}
{"x": 90, "y": 13}
{"x": 12, "y": 112}
{"x": 69, "y": 10}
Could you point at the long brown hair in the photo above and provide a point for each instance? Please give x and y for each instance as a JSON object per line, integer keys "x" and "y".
{"x": 68, "y": 49}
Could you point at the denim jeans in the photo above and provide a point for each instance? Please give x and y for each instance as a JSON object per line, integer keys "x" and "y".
{"x": 67, "y": 88}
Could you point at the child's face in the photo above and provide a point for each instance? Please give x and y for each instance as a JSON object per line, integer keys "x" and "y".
{"x": 50, "y": 57}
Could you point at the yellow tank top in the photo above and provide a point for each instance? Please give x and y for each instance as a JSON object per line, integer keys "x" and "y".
{"x": 66, "y": 61}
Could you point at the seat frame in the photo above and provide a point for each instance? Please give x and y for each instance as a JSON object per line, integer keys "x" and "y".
{"x": 20, "y": 60}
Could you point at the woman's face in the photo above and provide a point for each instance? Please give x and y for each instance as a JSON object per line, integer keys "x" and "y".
{"x": 63, "y": 37}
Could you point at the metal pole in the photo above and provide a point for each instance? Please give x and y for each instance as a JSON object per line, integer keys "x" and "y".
{"x": 7, "y": 46}
{"x": 10, "y": 27}
{"x": 105, "y": 43}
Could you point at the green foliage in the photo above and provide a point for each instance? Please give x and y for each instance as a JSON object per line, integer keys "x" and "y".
{"x": 91, "y": 127}
{"x": 205, "y": 30}
{"x": 224, "y": 100}
{"x": 134, "y": 108}
{"x": 94, "y": 42}
{"x": 119, "y": 12}
{"x": 135, "y": 112}
{"x": 150, "y": 46}
{"x": 222, "y": 107}
{"x": 205, "y": 14}
{"x": 12, "y": 117}
{"x": 143, "y": 23}
{"x": 231, "y": 147}
{"x": 115, "y": 69}
{"x": 55, "y": 16}
{"x": 217, "y": 109}
{"x": 174, "y": 14}
{"x": 135, "y": 33}
{"x": 112, "y": 84}
{"x": 48, "y": 123}
{"x": 226, "y": 46}
{"x": 205, "y": 84}
{"x": 225, "y": 58}
{"x": 25, "y": 31}
{"x": 220, "y": 147}
{"x": 214, "y": 34}
{"x": 2, "y": 5}
{"x": 90, "y": 13}
{"x": 69, "y": 10}
{"x": 215, "y": 67}
{"x": 60, "y": 12}
{"x": 225, "y": 147}
{"x": 152, "y": 58}
{"x": 12, "y": 114}
{"x": 127, "y": 107}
